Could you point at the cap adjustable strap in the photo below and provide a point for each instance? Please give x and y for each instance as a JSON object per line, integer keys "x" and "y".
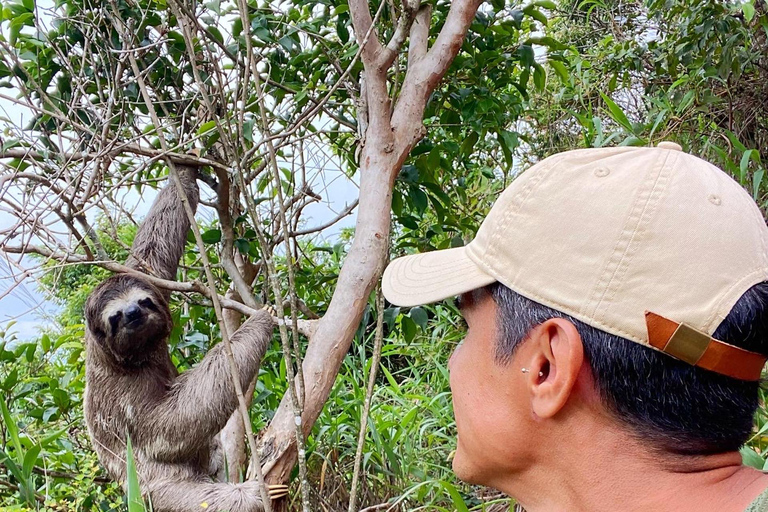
{"x": 696, "y": 348}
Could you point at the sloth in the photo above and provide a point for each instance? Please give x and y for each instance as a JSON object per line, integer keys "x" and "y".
{"x": 134, "y": 390}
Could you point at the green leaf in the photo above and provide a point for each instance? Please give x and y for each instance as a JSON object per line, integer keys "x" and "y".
{"x": 30, "y": 353}
{"x": 408, "y": 327}
{"x": 560, "y": 70}
{"x": 12, "y": 429}
{"x": 469, "y": 143}
{"x": 397, "y": 203}
{"x": 457, "y": 241}
{"x": 547, "y": 4}
{"x": 757, "y": 179}
{"x": 9, "y": 463}
{"x": 535, "y": 14}
{"x": 248, "y": 128}
{"x": 550, "y": 42}
{"x": 216, "y": 33}
{"x": 749, "y": 11}
{"x": 206, "y": 127}
{"x": 508, "y": 142}
{"x": 341, "y": 29}
{"x": 539, "y": 76}
{"x": 52, "y": 437}
{"x": 287, "y": 43}
{"x": 29, "y": 460}
{"x": 744, "y": 164}
{"x": 632, "y": 140}
{"x": 458, "y": 501}
{"x": 659, "y": 118}
{"x": 60, "y": 398}
{"x": 391, "y": 379}
{"x": 419, "y": 317}
{"x": 212, "y": 236}
{"x": 418, "y": 200}
{"x": 243, "y": 245}
{"x": 11, "y": 380}
{"x": 687, "y": 100}
{"x": 617, "y": 114}
{"x": 750, "y": 458}
{"x": 45, "y": 343}
{"x": 390, "y": 314}
{"x": 135, "y": 502}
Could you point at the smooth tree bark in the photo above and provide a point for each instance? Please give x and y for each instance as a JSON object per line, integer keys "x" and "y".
{"x": 390, "y": 136}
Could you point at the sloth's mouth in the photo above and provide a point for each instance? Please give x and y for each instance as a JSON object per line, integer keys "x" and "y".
{"x": 134, "y": 323}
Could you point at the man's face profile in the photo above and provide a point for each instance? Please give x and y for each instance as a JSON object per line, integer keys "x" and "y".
{"x": 486, "y": 400}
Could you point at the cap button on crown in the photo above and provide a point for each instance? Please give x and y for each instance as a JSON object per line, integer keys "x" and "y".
{"x": 668, "y": 144}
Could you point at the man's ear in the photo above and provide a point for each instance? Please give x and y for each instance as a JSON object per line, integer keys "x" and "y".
{"x": 555, "y": 354}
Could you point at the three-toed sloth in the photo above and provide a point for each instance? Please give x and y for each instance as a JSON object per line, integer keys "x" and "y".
{"x": 133, "y": 388}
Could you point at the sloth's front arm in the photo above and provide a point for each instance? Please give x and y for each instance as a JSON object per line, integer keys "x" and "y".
{"x": 160, "y": 240}
{"x": 201, "y": 400}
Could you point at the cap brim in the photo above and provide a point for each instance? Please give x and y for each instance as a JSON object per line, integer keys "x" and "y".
{"x": 432, "y": 276}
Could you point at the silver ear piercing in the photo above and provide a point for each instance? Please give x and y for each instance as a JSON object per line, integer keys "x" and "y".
{"x": 526, "y": 370}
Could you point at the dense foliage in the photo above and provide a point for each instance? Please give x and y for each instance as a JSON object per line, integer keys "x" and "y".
{"x": 530, "y": 80}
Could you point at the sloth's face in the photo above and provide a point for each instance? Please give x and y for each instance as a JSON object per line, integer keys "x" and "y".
{"x": 128, "y": 317}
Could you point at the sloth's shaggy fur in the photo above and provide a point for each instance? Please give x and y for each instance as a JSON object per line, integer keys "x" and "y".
{"x": 133, "y": 388}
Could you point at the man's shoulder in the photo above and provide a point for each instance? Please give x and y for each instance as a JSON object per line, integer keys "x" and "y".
{"x": 760, "y": 504}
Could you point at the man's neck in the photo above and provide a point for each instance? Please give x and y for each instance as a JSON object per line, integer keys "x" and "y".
{"x": 612, "y": 473}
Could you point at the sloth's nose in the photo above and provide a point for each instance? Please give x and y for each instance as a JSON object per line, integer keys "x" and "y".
{"x": 133, "y": 312}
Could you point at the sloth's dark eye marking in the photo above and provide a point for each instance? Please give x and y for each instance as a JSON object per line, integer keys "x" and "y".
{"x": 114, "y": 320}
{"x": 147, "y": 303}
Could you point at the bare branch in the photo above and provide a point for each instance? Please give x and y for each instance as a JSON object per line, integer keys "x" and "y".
{"x": 344, "y": 213}
{"x": 434, "y": 65}
{"x": 419, "y": 39}
{"x": 360, "y": 13}
{"x": 408, "y": 14}
{"x": 375, "y": 359}
{"x": 306, "y": 327}
{"x": 177, "y": 158}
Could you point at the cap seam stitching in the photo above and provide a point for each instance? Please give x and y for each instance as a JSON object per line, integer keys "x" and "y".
{"x": 599, "y": 290}
{"x": 708, "y": 325}
{"x": 654, "y": 197}
{"x": 492, "y": 250}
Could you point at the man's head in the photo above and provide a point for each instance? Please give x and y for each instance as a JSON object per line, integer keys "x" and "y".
{"x": 618, "y": 288}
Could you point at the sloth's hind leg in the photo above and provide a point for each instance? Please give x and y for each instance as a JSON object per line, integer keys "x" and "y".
{"x": 193, "y": 496}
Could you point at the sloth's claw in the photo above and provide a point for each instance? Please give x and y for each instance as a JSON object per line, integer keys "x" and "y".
{"x": 277, "y": 491}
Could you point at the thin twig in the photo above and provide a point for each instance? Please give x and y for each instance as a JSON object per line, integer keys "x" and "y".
{"x": 297, "y": 399}
{"x": 375, "y": 359}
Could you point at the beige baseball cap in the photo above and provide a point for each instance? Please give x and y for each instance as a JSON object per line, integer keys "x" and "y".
{"x": 650, "y": 244}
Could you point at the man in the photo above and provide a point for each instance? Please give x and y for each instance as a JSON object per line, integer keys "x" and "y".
{"x": 617, "y": 310}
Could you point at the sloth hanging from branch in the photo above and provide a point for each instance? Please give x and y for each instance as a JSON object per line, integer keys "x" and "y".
{"x": 133, "y": 388}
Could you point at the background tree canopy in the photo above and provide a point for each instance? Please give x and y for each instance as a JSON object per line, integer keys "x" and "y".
{"x": 273, "y": 101}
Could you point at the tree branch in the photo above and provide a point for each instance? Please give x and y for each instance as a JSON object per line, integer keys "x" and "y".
{"x": 434, "y": 65}
{"x": 169, "y": 156}
{"x": 362, "y": 22}
{"x": 419, "y": 39}
{"x": 306, "y": 327}
{"x": 408, "y": 14}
